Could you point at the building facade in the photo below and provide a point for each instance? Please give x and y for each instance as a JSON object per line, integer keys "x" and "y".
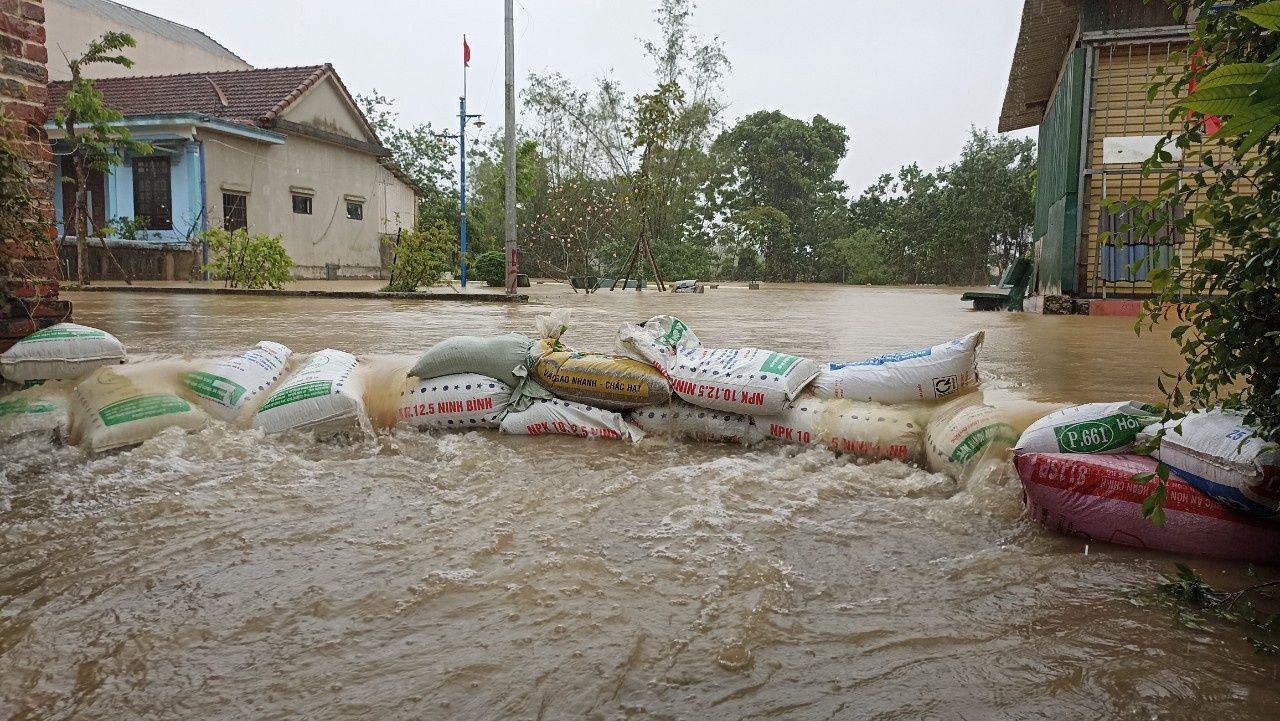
{"x": 164, "y": 47}
{"x": 274, "y": 150}
{"x": 1081, "y": 72}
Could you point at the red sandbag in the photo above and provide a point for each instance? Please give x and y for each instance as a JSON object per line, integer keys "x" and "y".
{"x": 1093, "y": 497}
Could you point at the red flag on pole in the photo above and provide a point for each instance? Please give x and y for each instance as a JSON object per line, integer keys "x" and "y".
{"x": 466, "y": 53}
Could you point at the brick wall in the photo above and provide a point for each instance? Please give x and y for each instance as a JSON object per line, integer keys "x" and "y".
{"x": 28, "y": 266}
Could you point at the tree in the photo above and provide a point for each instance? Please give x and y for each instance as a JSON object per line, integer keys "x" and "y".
{"x": 241, "y": 260}
{"x": 770, "y": 159}
{"x": 1227, "y": 296}
{"x": 422, "y": 258}
{"x": 96, "y": 140}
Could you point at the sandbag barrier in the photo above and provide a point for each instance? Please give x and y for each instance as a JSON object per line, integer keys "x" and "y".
{"x": 1075, "y": 464}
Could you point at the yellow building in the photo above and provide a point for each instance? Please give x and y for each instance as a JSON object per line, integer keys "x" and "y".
{"x": 1080, "y": 71}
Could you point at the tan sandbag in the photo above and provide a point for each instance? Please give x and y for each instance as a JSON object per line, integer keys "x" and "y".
{"x": 115, "y": 411}
{"x": 605, "y": 381}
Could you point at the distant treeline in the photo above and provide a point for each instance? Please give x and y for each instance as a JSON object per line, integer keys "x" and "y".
{"x": 598, "y": 167}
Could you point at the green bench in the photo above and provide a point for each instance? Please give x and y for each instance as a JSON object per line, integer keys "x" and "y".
{"x": 1009, "y": 294}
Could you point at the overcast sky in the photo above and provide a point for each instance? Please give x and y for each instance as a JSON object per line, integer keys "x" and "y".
{"x": 905, "y": 77}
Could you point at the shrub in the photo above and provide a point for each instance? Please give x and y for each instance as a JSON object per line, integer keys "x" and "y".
{"x": 422, "y": 257}
{"x": 491, "y": 268}
{"x": 241, "y": 260}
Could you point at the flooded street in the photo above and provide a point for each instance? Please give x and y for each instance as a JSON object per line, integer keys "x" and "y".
{"x": 481, "y": 576}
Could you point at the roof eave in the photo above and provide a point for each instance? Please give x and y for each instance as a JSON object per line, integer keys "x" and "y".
{"x": 195, "y": 120}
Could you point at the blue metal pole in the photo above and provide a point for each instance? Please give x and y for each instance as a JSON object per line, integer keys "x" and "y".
{"x": 462, "y": 184}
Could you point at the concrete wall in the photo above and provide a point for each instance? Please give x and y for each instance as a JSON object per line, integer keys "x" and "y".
{"x": 323, "y": 106}
{"x": 70, "y": 30}
{"x": 330, "y": 174}
{"x": 140, "y": 261}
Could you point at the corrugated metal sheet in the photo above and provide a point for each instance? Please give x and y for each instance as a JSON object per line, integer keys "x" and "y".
{"x": 1058, "y": 178}
{"x": 130, "y": 18}
{"x": 1044, "y": 38}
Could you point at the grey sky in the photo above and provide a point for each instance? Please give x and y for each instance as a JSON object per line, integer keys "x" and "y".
{"x": 906, "y": 77}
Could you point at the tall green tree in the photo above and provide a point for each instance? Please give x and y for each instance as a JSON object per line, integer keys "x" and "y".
{"x": 424, "y": 154}
{"x": 95, "y": 139}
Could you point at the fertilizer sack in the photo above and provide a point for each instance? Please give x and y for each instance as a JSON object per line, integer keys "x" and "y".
{"x": 229, "y": 388}
{"x": 1218, "y": 454}
{"x": 323, "y": 394}
{"x": 963, "y": 433}
{"x": 1090, "y": 428}
{"x": 544, "y": 417}
{"x": 1093, "y": 497}
{"x": 494, "y": 356}
{"x": 35, "y": 411}
{"x": 114, "y": 411}
{"x": 604, "y": 381}
{"x": 867, "y": 430}
{"x": 685, "y": 420}
{"x": 455, "y": 402}
{"x": 927, "y": 374}
{"x": 66, "y": 351}
{"x": 740, "y": 380}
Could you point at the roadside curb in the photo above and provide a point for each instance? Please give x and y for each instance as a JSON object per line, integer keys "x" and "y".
{"x": 372, "y": 294}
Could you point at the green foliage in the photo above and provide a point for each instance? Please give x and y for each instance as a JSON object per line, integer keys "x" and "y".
{"x": 1200, "y": 607}
{"x": 422, "y": 258}
{"x": 491, "y": 268}
{"x": 241, "y": 260}
{"x": 19, "y": 219}
{"x": 863, "y": 258}
{"x": 1227, "y": 296}
{"x": 126, "y": 228}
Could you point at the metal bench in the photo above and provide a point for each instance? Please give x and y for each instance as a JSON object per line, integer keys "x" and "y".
{"x": 1009, "y": 294}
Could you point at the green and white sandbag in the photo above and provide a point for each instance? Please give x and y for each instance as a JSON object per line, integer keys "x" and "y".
{"x": 323, "y": 394}
{"x": 1089, "y": 428}
{"x": 964, "y": 432}
{"x": 35, "y": 411}
{"x": 227, "y": 389}
{"x": 114, "y": 411}
{"x": 64, "y": 351}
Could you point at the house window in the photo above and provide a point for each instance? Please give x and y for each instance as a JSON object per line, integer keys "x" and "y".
{"x": 355, "y": 210}
{"x": 235, "y": 211}
{"x": 152, "y": 196}
{"x": 302, "y": 204}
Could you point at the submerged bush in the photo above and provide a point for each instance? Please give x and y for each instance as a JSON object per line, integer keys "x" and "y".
{"x": 241, "y": 260}
{"x": 491, "y": 268}
{"x": 421, "y": 258}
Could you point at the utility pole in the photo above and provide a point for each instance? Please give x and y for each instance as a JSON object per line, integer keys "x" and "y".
{"x": 510, "y": 225}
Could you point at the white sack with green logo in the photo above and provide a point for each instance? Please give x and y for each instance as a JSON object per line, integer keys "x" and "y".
{"x": 926, "y": 374}
{"x": 40, "y": 410}
{"x": 751, "y": 381}
{"x": 1090, "y": 428}
{"x": 229, "y": 388}
{"x": 324, "y": 394}
{"x": 115, "y": 411}
{"x": 63, "y": 351}
{"x": 964, "y": 432}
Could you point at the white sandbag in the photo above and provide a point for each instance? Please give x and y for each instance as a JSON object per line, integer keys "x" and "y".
{"x": 41, "y": 410}
{"x": 965, "y": 432}
{"x": 65, "y": 351}
{"x": 568, "y": 418}
{"x": 229, "y": 387}
{"x": 502, "y": 357}
{"x": 868, "y": 430}
{"x": 740, "y": 380}
{"x": 115, "y": 411}
{"x": 926, "y": 374}
{"x": 1223, "y": 458}
{"x": 685, "y": 420}
{"x": 1089, "y": 428}
{"x": 459, "y": 401}
{"x": 323, "y": 394}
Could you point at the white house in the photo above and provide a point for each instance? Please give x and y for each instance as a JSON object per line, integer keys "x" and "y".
{"x": 275, "y": 150}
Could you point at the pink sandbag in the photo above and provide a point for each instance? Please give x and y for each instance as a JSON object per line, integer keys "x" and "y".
{"x": 1095, "y": 498}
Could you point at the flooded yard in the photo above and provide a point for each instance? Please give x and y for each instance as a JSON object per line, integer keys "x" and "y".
{"x": 473, "y": 576}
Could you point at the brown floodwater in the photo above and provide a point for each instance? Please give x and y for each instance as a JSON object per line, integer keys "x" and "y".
{"x": 413, "y": 575}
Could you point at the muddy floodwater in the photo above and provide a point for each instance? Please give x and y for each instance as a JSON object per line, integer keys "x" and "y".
{"x": 479, "y": 576}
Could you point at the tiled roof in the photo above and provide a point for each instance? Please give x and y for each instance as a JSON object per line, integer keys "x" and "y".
{"x": 137, "y": 19}
{"x": 251, "y": 97}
